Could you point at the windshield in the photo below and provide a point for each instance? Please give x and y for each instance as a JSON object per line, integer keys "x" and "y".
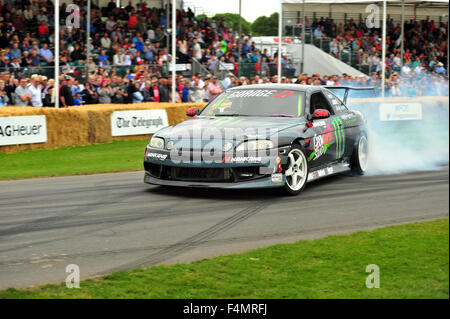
{"x": 257, "y": 102}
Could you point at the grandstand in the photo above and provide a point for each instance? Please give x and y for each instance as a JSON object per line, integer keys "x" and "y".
{"x": 128, "y": 56}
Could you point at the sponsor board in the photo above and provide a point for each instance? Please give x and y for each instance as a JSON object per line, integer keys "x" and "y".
{"x": 180, "y": 67}
{"x": 23, "y": 130}
{"x": 226, "y": 66}
{"x": 400, "y": 111}
{"x": 137, "y": 122}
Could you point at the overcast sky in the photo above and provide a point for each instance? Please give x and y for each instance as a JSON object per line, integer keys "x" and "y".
{"x": 251, "y": 9}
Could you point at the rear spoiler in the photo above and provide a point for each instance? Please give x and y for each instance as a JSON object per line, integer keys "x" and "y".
{"x": 348, "y": 88}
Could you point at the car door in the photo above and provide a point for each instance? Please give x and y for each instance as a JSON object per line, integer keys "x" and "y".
{"x": 345, "y": 122}
{"x": 328, "y": 140}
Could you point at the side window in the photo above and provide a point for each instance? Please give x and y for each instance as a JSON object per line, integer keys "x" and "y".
{"x": 319, "y": 101}
{"x": 336, "y": 102}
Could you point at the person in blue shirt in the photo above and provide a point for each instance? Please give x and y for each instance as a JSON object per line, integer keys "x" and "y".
{"x": 78, "y": 100}
{"x": 245, "y": 49}
{"x": 103, "y": 58}
{"x": 140, "y": 45}
{"x": 318, "y": 32}
{"x": 148, "y": 52}
{"x": 440, "y": 68}
{"x": 255, "y": 56}
{"x": 185, "y": 91}
{"x": 15, "y": 51}
{"x": 162, "y": 20}
{"x": 91, "y": 25}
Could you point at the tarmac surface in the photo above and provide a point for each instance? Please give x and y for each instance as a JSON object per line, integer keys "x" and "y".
{"x": 109, "y": 222}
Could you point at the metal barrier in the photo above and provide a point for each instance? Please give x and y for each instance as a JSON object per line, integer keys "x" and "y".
{"x": 77, "y": 68}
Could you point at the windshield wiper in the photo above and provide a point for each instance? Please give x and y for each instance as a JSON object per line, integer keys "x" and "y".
{"x": 282, "y": 115}
{"x": 231, "y": 114}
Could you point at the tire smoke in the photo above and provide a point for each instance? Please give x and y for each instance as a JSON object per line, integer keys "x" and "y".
{"x": 407, "y": 145}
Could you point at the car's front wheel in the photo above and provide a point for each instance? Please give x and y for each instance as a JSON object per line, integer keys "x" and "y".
{"x": 296, "y": 172}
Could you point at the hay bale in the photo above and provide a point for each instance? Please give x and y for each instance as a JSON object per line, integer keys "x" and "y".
{"x": 89, "y": 124}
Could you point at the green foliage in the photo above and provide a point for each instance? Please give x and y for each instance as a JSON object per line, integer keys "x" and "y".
{"x": 412, "y": 258}
{"x": 232, "y": 20}
{"x": 97, "y": 158}
{"x": 265, "y": 26}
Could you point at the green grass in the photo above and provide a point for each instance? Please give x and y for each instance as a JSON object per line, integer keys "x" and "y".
{"x": 98, "y": 158}
{"x": 413, "y": 261}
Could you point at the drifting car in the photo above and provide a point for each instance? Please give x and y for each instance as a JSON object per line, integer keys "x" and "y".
{"x": 260, "y": 136}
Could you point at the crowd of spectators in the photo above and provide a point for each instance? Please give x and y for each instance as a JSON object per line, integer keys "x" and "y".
{"x": 127, "y": 58}
{"x": 424, "y": 50}
{"x": 101, "y": 87}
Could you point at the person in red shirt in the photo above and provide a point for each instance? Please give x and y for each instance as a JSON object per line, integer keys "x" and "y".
{"x": 132, "y": 21}
{"x": 43, "y": 29}
{"x": 154, "y": 90}
{"x": 125, "y": 44}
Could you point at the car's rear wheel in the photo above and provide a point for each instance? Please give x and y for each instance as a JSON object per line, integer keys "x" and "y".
{"x": 296, "y": 172}
{"x": 360, "y": 156}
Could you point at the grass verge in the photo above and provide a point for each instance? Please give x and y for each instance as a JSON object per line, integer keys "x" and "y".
{"x": 97, "y": 158}
{"x": 413, "y": 260}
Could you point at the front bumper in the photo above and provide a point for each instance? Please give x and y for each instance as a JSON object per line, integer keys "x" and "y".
{"x": 229, "y": 172}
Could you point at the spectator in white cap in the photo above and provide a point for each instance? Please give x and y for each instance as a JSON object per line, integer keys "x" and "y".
{"x": 35, "y": 91}
{"x": 227, "y": 83}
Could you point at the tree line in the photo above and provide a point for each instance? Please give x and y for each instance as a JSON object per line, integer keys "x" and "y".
{"x": 262, "y": 26}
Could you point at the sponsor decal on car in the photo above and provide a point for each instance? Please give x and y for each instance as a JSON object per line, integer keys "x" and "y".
{"x": 321, "y": 143}
{"x": 251, "y": 93}
{"x": 250, "y": 159}
{"x": 320, "y": 173}
{"x": 340, "y": 107}
{"x": 318, "y": 146}
{"x": 277, "y": 178}
{"x": 338, "y": 126}
{"x": 241, "y": 159}
{"x": 334, "y": 132}
{"x": 159, "y": 156}
{"x": 347, "y": 116}
{"x": 319, "y": 123}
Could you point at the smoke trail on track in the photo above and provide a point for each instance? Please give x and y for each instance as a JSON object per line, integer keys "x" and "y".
{"x": 402, "y": 146}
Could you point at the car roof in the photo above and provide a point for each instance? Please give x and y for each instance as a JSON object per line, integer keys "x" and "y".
{"x": 281, "y": 86}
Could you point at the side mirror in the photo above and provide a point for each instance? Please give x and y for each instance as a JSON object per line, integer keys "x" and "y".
{"x": 320, "y": 114}
{"x": 193, "y": 111}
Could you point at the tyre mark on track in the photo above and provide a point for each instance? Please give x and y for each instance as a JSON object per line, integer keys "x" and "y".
{"x": 333, "y": 193}
{"x": 195, "y": 240}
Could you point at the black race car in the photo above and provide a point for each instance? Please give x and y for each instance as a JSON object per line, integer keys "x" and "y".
{"x": 257, "y": 136}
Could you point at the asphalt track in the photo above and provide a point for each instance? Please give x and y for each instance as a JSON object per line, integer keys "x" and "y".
{"x": 109, "y": 222}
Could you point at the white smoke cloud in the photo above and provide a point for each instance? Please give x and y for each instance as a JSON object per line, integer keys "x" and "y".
{"x": 402, "y": 146}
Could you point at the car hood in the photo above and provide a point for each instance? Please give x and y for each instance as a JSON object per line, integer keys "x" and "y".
{"x": 218, "y": 130}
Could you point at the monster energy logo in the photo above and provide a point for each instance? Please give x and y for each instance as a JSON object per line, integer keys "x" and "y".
{"x": 340, "y": 137}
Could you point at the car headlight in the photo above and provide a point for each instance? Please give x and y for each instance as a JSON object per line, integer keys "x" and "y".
{"x": 227, "y": 146}
{"x": 157, "y": 142}
{"x": 254, "y": 145}
{"x": 169, "y": 145}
